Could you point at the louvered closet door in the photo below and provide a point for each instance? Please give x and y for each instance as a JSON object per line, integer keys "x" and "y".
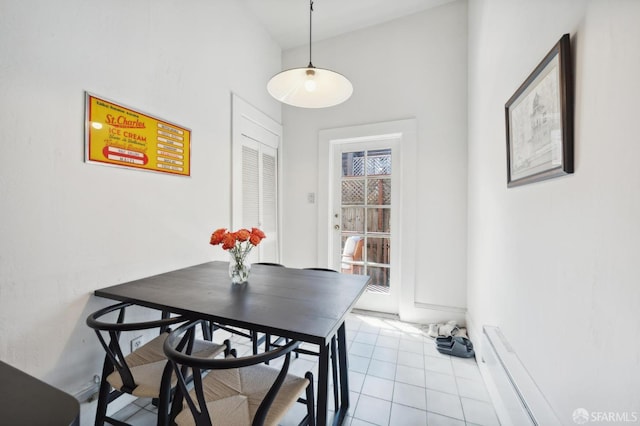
{"x": 259, "y": 194}
{"x": 256, "y": 139}
{"x": 250, "y": 183}
{"x": 268, "y": 199}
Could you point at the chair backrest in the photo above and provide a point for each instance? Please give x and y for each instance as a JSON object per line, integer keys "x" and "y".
{"x": 108, "y": 333}
{"x": 177, "y": 348}
{"x": 269, "y": 264}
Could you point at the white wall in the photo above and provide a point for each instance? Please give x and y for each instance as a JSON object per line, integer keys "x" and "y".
{"x": 414, "y": 67}
{"x": 66, "y": 227}
{"x": 555, "y": 264}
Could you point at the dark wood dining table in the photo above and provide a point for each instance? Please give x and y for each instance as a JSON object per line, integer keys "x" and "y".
{"x": 25, "y": 400}
{"x": 300, "y": 304}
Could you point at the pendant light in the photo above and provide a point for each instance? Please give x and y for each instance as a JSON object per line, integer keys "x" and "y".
{"x": 310, "y": 87}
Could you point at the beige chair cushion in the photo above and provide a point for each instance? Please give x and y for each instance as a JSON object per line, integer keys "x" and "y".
{"x": 148, "y": 362}
{"x": 233, "y": 396}
{"x": 228, "y": 411}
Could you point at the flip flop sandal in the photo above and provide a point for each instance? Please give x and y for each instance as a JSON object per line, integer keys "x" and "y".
{"x": 448, "y": 339}
{"x": 447, "y": 342}
{"x": 444, "y": 340}
{"x": 457, "y": 349}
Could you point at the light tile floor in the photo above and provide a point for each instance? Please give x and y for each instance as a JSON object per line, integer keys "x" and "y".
{"x": 396, "y": 377}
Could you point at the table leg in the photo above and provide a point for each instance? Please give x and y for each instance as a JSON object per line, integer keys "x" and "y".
{"x": 323, "y": 385}
{"x": 343, "y": 362}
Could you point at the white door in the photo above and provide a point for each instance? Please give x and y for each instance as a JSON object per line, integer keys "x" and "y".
{"x": 364, "y": 218}
{"x": 255, "y": 187}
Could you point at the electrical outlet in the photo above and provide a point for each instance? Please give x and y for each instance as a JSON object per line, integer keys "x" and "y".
{"x": 136, "y": 343}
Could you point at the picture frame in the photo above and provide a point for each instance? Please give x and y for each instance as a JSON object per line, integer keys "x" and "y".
{"x": 539, "y": 120}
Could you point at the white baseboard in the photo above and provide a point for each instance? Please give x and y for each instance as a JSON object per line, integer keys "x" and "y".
{"x": 427, "y": 313}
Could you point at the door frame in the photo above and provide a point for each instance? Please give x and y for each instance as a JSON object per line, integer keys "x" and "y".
{"x": 249, "y": 121}
{"x": 406, "y": 131}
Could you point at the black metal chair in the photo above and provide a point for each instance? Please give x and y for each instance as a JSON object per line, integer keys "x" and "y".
{"x": 234, "y": 391}
{"x": 145, "y": 372}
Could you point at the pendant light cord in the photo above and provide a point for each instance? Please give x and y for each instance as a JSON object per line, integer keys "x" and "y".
{"x": 310, "y": 23}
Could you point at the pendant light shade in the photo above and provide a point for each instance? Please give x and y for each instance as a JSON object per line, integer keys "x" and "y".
{"x": 310, "y": 87}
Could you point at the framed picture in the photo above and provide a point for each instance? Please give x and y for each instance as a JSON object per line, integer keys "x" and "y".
{"x": 539, "y": 120}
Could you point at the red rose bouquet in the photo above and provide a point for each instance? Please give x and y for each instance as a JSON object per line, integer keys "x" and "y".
{"x": 239, "y": 244}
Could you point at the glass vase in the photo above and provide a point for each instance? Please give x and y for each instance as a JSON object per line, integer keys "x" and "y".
{"x": 239, "y": 270}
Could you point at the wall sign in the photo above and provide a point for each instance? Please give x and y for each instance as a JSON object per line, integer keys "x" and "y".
{"x": 120, "y": 136}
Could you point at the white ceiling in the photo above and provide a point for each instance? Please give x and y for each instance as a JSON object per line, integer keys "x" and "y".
{"x": 288, "y": 20}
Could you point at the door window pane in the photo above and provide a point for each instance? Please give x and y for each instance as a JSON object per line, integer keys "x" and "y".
{"x": 379, "y": 219}
{"x": 353, "y": 164}
{"x": 378, "y": 250}
{"x": 352, "y": 248}
{"x": 353, "y": 219}
{"x": 379, "y": 278}
{"x": 353, "y": 191}
{"x": 379, "y": 192}
{"x": 379, "y": 162}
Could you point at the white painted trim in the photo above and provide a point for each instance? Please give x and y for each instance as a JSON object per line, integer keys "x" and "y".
{"x": 444, "y": 308}
{"x": 425, "y": 313}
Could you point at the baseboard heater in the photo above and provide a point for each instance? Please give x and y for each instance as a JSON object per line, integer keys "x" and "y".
{"x": 517, "y": 398}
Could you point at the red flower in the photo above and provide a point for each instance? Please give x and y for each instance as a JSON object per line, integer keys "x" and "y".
{"x": 259, "y": 233}
{"x": 217, "y": 236}
{"x": 254, "y": 239}
{"x": 243, "y": 235}
{"x": 229, "y": 241}
{"x": 256, "y": 236}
